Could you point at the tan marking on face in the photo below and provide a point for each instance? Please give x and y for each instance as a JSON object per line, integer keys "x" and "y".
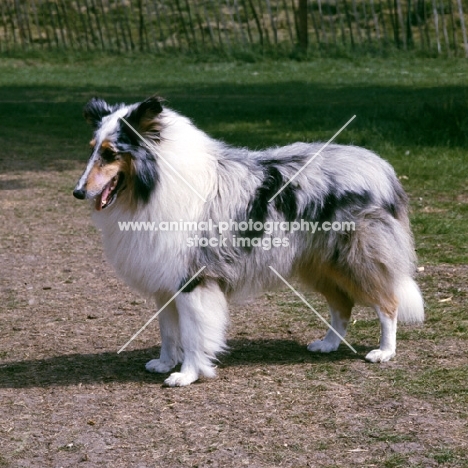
{"x": 106, "y": 144}
{"x": 100, "y": 175}
{"x": 128, "y": 169}
{"x": 92, "y": 143}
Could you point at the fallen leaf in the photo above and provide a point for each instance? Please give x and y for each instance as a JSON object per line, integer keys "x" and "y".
{"x": 447, "y": 299}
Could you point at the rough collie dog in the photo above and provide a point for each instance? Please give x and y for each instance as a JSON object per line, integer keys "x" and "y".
{"x": 150, "y": 164}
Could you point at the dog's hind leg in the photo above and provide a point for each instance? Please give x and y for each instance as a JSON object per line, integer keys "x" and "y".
{"x": 388, "y": 328}
{"x": 203, "y": 319}
{"x": 340, "y": 306}
{"x": 171, "y": 351}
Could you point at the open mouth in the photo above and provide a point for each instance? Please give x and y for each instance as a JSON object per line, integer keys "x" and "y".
{"x": 109, "y": 193}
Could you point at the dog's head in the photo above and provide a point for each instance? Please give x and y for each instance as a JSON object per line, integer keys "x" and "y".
{"x": 123, "y": 148}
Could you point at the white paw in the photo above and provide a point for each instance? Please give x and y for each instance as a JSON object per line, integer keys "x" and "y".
{"x": 322, "y": 346}
{"x": 380, "y": 355}
{"x": 180, "y": 379}
{"x": 160, "y": 367}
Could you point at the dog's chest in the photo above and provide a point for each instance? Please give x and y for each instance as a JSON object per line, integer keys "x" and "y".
{"x": 147, "y": 261}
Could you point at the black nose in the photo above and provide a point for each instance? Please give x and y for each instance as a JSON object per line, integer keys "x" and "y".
{"x": 79, "y": 193}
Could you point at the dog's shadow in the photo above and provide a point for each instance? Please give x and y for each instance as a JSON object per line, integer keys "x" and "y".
{"x": 129, "y": 366}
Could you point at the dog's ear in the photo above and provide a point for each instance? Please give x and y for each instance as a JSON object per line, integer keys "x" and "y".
{"x": 142, "y": 117}
{"x": 95, "y": 110}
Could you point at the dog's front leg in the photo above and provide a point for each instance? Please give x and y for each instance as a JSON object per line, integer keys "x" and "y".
{"x": 171, "y": 351}
{"x": 202, "y": 322}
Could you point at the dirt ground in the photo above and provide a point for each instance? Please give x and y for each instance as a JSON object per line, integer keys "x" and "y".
{"x": 67, "y": 399}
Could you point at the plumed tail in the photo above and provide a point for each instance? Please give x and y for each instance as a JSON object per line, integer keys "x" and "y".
{"x": 410, "y": 302}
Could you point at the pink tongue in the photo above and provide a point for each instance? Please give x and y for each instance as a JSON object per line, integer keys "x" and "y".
{"x": 103, "y": 196}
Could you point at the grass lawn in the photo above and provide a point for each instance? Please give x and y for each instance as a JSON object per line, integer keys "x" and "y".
{"x": 70, "y": 399}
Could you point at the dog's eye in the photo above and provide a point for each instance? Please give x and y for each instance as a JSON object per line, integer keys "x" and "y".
{"x": 107, "y": 154}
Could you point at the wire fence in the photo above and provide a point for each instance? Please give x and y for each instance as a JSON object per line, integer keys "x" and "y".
{"x": 431, "y": 26}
